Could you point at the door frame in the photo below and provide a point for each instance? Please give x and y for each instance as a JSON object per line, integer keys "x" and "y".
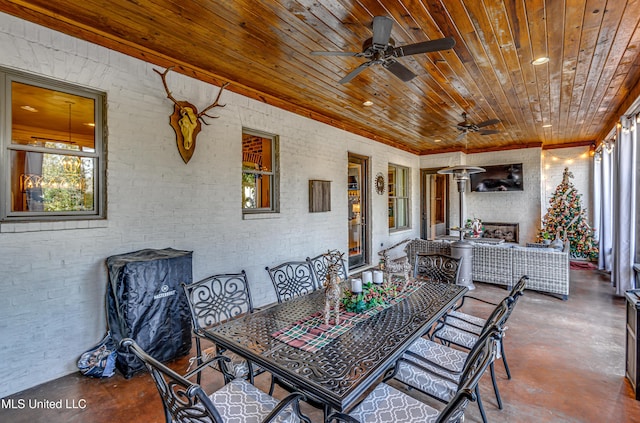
{"x": 365, "y": 206}
{"x": 424, "y": 201}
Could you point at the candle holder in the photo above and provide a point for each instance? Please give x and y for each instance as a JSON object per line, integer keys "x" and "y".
{"x": 371, "y": 296}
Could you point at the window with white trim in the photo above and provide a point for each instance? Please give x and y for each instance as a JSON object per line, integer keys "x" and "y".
{"x": 52, "y": 157}
{"x": 259, "y": 172}
{"x": 398, "y": 182}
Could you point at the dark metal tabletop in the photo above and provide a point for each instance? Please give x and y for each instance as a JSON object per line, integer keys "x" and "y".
{"x": 342, "y": 372}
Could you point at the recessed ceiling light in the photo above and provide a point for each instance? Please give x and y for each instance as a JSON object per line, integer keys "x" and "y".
{"x": 368, "y": 103}
{"x": 548, "y": 125}
{"x": 29, "y": 109}
{"x": 437, "y": 140}
{"x": 91, "y": 124}
{"x": 540, "y": 61}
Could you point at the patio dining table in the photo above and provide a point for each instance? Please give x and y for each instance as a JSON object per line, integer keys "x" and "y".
{"x": 341, "y": 372}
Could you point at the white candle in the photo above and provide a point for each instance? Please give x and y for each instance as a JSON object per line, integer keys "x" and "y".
{"x": 377, "y": 276}
{"x": 356, "y": 285}
{"x": 367, "y": 277}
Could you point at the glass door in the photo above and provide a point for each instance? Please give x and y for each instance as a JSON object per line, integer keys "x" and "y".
{"x": 357, "y": 212}
{"x": 434, "y": 204}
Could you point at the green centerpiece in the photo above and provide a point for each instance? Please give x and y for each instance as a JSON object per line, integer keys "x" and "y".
{"x": 372, "y": 295}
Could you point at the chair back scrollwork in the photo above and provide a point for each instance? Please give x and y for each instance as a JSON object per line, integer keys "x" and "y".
{"x": 437, "y": 267}
{"x": 292, "y": 279}
{"x": 320, "y": 266}
{"x": 218, "y": 298}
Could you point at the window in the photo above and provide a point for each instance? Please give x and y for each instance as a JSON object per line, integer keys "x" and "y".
{"x": 398, "y": 181}
{"x": 53, "y": 161}
{"x": 259, "y": 172}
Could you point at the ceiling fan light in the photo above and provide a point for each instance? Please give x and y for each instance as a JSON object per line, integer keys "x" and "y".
{"x": 540, "y": 61}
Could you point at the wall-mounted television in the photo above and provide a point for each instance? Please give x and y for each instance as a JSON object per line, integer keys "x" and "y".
{"x": 498, "y": 178}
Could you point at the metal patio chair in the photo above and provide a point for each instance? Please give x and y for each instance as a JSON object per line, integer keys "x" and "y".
{"x": 320, "y": 266}
{"x": 216, "y": 299}
{"x": 437, "y": 267}
{"x": 474, "y": 324}
{"x": 436, "y": 369}
{"x": 386, "y": 404}
{"x": 292, "y": 279}
{"x": 236, "y": 401}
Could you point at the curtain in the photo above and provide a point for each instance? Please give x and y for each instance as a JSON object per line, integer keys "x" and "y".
{"x": 624, "y": 205}
{"x": 603, "y": 203}
{"x": 33, "y": 166}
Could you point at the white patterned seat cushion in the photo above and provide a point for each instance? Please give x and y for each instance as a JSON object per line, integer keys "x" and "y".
{"x": 442, "y": 355}
{"x": 456, "y": 336}
{"x": 478, "y": 321}
{"x": 387, "y": 404}
{"x": 240, "y": 402}
{"x": 436, "y": 382}
{"x": 462, "y": 324}
{"x": 439, "y": 384}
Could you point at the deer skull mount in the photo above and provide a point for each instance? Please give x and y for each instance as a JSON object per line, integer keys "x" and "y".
{"x": 185, "y": 119}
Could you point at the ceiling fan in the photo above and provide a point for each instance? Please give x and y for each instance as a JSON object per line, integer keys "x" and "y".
{"x": 465, "y": 127}
{"x": 381, "y": 50}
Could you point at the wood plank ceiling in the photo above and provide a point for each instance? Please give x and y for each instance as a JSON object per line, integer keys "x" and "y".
{"x": 263, "y": 48}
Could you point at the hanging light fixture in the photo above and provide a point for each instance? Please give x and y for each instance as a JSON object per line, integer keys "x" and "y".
{"x": 462, "y": 248}
{"x": 71, "y": 164}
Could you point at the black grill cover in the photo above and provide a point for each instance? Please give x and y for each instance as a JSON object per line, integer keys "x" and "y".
{"x": 145, "y": 302}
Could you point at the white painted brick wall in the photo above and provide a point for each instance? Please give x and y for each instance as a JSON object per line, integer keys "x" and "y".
{"x": 512, "y": 206}
{"x": 522, "y": 207}
{"x": 53, "y": 276}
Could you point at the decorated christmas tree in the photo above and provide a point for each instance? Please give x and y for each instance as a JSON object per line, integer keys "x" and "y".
{"x": 566, "y": 219}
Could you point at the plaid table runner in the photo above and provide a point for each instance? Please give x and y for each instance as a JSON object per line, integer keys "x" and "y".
{"x": 311, "y": 334}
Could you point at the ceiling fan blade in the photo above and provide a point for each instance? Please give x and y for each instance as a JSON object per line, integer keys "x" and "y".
{"x": 355, "y": 72}
{"x": 381, "y": 31}
{"x": 424, "y": 47}
{"x": 488, "y": 122}
{"x": 399, "y": 70}
{"x": 334, "y": 53}
{"x": 488, "y": 132}
{"x": 461, "y": 135}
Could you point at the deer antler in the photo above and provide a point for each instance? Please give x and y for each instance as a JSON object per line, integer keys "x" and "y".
{"x": 203, "y": 113}
{"x": 214, "y": 104}
{"x": 163, "y": 75}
